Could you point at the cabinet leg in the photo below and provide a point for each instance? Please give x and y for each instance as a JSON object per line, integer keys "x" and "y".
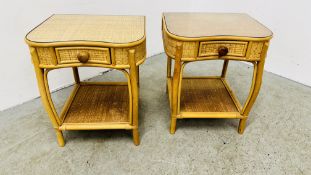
{"x": 60, "y": 138}
{"x": 168, "y": 70}
{"x": 137, "y": 76}
{"x": 224, "y": 68}
{"x": 173, "y": 125}
{"x": 242, "y": 125}
{"x": 76, "y": 74}
{"x": 136, "y": 137}
{"x": 135, "y": 94}
{"x": 168, "y": 67}
{"x": 175, "y": 87}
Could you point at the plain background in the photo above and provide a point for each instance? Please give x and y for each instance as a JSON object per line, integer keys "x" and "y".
{"x": 288, "y": 55}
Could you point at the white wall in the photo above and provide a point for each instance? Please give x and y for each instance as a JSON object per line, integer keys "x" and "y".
{"x": 288, "y": 55}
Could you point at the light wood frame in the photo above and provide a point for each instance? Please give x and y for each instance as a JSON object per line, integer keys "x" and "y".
{"x": 174, "y": 82}
{"x": 125, "y": 57}
{"x": 132, "y": 76}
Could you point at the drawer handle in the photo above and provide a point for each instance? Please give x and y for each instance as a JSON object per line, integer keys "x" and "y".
{"x": 83, "y": 57}
{"x": 222, "y": 51}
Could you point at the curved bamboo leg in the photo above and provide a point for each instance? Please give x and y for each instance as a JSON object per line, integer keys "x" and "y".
{"x": 44, "y": 96}
{"x": 137, "y": 76}
{"x": 224, "y": 69}
{"x": 183, "y": 65}
{"x": 169, "y": 67}
{"x": 135, "y": 134}
{"x": 242, "y": 125}
{"x": 127, "y": 76}
{"x": 48, "y": 93}
{"x": 135, "y": 95}
{"x": 175, "y": 87}
{"x": 256, "y": 84}
{"x": 173, "y": 125}
{"x": 257, "y": 79}
{"x": 168, "y": 70}
{"x": 76, "y": 74}
{"x": 59, "y": 134}
{"x": 60, "y": 138}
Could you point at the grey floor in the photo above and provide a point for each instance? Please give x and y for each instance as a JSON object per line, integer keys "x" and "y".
{"x": 276, "y": 140}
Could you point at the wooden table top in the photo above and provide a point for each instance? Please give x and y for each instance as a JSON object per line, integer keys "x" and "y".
{"x": 196, "y": 25}
{"x": 108, "y": 29}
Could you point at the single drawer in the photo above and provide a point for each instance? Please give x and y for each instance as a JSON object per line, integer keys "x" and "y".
{"x": 232, "y": 48}
{"x": 67, "y": 55}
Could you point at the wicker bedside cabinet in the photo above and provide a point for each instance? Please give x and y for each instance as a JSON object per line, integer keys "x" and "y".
{"x": 116, "y": 42}
{"x": 190, "y": 37}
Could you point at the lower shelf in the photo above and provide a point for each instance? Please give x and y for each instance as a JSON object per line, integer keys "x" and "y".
{"x": 205, "y": 95}
{"x": 206, "y": 98}
{"x": 95, "y": 106}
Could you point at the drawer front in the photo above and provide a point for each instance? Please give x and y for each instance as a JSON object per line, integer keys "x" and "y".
{"x": 235, "y": 48}
{"x": 67, "y": 55}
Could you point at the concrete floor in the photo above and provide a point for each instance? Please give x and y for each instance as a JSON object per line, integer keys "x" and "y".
{"x": 276, "y": 140}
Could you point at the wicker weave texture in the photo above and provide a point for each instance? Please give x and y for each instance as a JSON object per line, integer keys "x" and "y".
{"x": 256, "y": 50}
{"x": 46, "y": 56}
{"x": 98, "y": 104}
{"x": 69, "y": 55}
{"x": 111, "y": 29}
{"x": 189, "y": 48}
{"x": 210, "y": 48}
{"x": 121, "y": 54}
{"x": 205, "y": 95}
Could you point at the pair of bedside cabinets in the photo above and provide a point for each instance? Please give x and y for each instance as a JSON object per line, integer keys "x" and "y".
{"x": 119, "y": 42}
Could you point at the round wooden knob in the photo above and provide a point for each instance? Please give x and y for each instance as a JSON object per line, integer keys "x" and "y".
{"x": 83, "y": 57}
{"x": 222, "y": 51}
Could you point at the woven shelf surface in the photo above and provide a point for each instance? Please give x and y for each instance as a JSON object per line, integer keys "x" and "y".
{"x": 98, "y": 104}
{"x": 110, "y": 29}
{"x": 205, "y": 95}
{"x": 214, "y": 24}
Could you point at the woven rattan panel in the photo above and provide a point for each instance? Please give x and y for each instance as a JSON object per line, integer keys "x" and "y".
{"x": 46, "y": 56}
{"x": 121, "y": 54}
{"x": 256, "y": 50}
{"x": 210, "y": 48}
{"x": 111, "y": 29}
{"x": 69, "y": 55}
{"x": 189, "y": 48}
{"x": 95, "y": 104}
{"x": 205, "y": 95}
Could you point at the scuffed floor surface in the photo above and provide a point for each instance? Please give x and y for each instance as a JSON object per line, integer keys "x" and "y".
{"x": 276, "y": 140}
